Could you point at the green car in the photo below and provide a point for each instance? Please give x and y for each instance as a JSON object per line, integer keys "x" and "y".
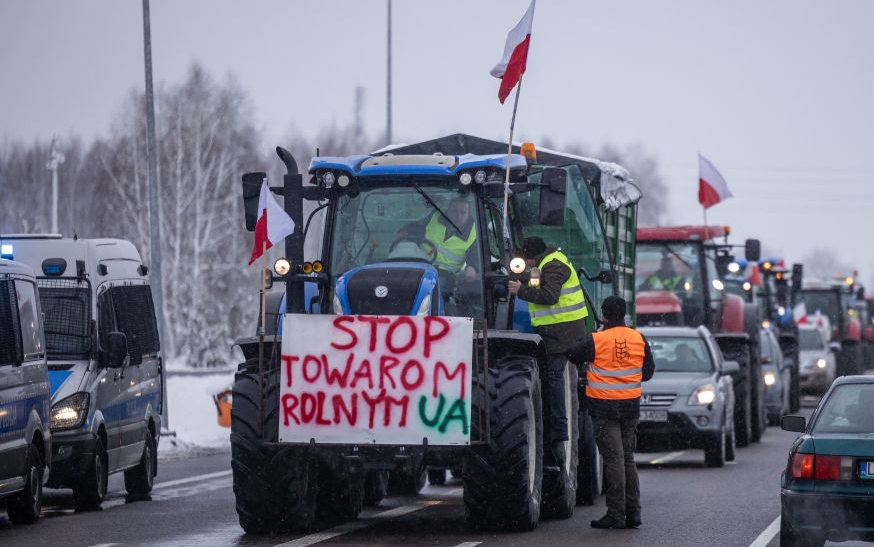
{"x": 827, "y": 488}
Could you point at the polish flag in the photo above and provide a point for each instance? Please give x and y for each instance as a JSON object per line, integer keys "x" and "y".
{"x": 799, "y": 314}
{"x": 512, "y": 64}
{"x": 273, "y": 224}
{"x": 712, "y": 188}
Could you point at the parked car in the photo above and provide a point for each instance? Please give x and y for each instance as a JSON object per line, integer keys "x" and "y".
{"x": 827, "y": 487}
{"x": 689, "y": 402}
{"x": 817, "y": 359}
{"x": 777, "y": 374}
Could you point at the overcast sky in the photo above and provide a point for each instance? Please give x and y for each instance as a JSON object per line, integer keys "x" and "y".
{"x": 779, "y": 94}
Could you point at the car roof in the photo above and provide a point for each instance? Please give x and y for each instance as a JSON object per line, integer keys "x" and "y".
{"x": 854, "y": 379}
{"x": 671, "y": 332}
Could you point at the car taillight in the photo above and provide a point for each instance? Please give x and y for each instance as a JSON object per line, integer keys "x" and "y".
{"x": 802, "y": 466}
{"x": 823, "y": 468}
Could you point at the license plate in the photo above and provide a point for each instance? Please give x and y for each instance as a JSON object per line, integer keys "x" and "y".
{"x": 866, "y": 470}
{"x": 662, "y": 416}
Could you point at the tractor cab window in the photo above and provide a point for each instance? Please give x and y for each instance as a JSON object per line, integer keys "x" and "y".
{"x": 423, "y": 226}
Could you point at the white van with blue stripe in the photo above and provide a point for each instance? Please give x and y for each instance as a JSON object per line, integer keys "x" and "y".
{"x": 104, "y": 358}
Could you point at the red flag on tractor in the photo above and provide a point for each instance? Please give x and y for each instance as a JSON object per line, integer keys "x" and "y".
{"x": 512, "y": 64}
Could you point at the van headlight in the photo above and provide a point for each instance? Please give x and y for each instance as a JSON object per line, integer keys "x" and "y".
{"x": 70, "y": 412}
{"x": 704, "y": 395}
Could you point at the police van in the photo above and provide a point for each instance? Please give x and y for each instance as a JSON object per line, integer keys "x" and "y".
{"x": 104, "y": 359}
{"x": 25, "y": 437}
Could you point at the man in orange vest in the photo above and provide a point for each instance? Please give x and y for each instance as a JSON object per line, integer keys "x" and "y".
{"x": 617, "y": 359}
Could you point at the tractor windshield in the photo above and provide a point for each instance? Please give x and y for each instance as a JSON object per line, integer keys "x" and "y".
{"x": 421, "y": 225}
{"x": 681, "y": 268}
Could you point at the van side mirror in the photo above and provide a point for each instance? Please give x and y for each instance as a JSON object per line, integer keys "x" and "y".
{"x": 114, "y": 350}
{"x": 553, "y": 196}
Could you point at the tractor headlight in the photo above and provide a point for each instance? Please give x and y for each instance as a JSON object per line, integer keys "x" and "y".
{"x": 70, "y": 412}
{"x": 282, "y": 266}
{"x": 517, "y": 265}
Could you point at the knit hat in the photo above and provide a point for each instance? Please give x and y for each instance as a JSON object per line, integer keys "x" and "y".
{"x": 532, "y": 247}
{"x": 613, "y": 308}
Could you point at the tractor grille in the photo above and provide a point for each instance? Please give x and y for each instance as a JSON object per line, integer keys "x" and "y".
{"x": 384, "y": 291}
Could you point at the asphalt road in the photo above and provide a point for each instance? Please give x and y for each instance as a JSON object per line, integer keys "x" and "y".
{"x": 684, "y": 504}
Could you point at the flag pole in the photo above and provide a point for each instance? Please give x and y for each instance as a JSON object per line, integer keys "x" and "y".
{"x": 509, "y": 154}
{"x": 261, "y": 331}
{"x": 706, "y": 228}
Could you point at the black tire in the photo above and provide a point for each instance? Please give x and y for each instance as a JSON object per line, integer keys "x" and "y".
{"x": 139, "y": 480}
{"x": 714, "y": 450}
{"x": 743, "y": 413}
{"x": 375, "y": 487}
{"x": 560, "y": 489}
{"x": 25, "y": 506}
{"x": 275, "y": 486}
{"x": 406, "y": 484}
{"x": 340, "y": 497}
{"x": 90, "y": 490}
{"x": 730, "y": 441}
{"x": 590, "y": 472}
{"x": 759, "y": 421}
{"x": 437, "y": 476}
{"x": 503, "y": 478}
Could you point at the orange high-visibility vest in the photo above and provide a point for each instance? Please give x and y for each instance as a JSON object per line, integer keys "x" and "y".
{"x": 617, "y": 370}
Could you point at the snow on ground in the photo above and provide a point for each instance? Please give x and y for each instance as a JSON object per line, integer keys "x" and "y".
{"x": 192, "y": 417}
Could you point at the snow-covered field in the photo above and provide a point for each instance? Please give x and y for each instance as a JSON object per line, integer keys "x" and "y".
{"x": 191, "y": 412}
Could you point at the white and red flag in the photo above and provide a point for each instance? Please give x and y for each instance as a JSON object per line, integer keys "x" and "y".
{"x": 799, "y": 314}
{"x": 273, "y": 224}
{"x": 512, "y": 65}
{"x": 712, "y": 188}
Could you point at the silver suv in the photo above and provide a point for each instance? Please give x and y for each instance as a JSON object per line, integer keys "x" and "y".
{"x": 689, "y": 402}
{"x": 25, "y": 438}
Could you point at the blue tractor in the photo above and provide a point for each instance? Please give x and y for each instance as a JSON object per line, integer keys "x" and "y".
{"x": 383, "y": 358}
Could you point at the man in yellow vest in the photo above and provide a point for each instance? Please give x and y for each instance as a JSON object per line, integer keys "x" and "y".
{"x": 665, "y": 278}
{"x": 558, "y": 311}
{"x": 617, "y": 359}
{"x": 450, "y": 237}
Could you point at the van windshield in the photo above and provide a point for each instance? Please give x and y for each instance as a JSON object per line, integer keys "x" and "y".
{"x": 66, "y": 305}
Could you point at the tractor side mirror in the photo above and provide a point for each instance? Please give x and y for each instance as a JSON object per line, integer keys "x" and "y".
{"x": 753, "y": 250}
{"x": 553, "y": 196}
{"x": 251, "y": 193}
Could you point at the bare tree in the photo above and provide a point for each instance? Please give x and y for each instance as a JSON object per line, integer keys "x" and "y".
{"x": 206, "y": 140}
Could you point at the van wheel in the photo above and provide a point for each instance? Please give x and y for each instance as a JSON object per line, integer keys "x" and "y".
{"x": 25, "y": 507}
{"x": 138, "y": 481}
{"x": 91, "y": 490}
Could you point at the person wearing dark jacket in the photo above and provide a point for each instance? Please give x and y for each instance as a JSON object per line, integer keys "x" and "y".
{"x": 617, "y": 359}
{"x": 558, "y": 311}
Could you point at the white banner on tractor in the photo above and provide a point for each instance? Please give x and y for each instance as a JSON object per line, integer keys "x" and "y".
{"x": 375, "y": 379}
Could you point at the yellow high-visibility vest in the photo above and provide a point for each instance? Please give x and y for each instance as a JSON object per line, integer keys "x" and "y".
{"x": 571, "y": 303}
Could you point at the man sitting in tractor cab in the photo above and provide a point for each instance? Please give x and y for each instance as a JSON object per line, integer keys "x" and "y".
{"x": 450, "y": 237}
{"x": 665, "y": 278}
